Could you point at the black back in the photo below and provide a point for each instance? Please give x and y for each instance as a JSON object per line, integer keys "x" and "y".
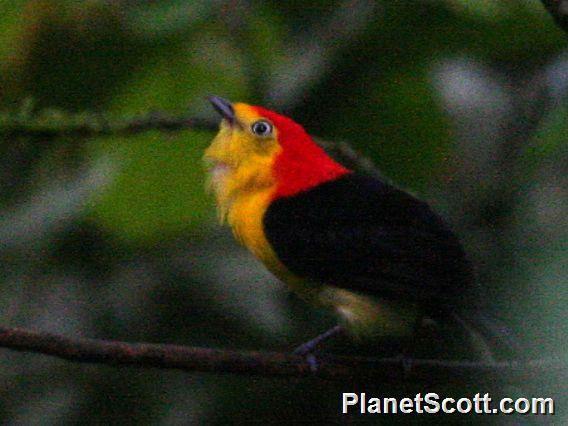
{"x": 362, "y": 234}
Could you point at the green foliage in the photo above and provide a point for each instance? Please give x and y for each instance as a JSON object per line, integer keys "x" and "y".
{"x": 159, "y": 192}
{"x": 160, "y": 189}
{"x": 549, "y": 141}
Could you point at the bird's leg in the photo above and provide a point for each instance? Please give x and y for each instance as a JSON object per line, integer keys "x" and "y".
{"x": 307, "y": 348}
{"x": 310, "y": 345}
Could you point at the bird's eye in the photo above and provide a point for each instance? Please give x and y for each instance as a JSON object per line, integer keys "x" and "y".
{"x": 262, "y": 128}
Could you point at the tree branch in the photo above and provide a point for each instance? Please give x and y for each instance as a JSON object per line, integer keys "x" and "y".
{"x": 193, "y": 359}
{"x": 559, "y": 11}
{"x": 56, "y": 124}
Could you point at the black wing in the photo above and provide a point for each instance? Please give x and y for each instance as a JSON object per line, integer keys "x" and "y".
{"x": 359, "y": 233}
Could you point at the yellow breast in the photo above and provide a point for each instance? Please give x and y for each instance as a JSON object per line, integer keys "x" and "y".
{"x": 245, "y": 218}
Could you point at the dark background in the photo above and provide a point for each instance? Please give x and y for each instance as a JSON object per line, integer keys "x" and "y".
{"x": 462, "y": 102}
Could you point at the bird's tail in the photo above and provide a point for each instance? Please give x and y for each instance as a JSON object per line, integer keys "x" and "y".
{"x": 492, "y": 337}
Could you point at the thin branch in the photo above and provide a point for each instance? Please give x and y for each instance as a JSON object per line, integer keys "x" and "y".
{"x": 559, "y": 11}
{"x": 84, "y": 126}
{"x": 56, "y": 124}
{"x": 192, "y": 359}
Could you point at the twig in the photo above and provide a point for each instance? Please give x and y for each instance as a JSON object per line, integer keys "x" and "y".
{"x": 55, "y": 124}
{"x": 192, "y": 359}
{"x": 559, "y": 11}
{"x": 92, "y": 125}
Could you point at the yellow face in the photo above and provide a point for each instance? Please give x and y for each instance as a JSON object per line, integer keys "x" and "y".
{"x": 240, "y": 157}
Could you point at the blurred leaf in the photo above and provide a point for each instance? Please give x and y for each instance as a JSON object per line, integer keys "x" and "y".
{"x": 183, "y": 74}
{"x": 11, "y": 21}
{"x": 260, "y": 37}
{"x": 307, "y": 60}
{"x": 160, "y": 189}
{"x": 488, "y": 9}
{"x": 397, "y": 122}
{"x": 51, "y": 207}
{"x": 550, "y": 139}
{"x": 411, "y": 134}
{"x": 155, "y": 21}
{"x": 66, "y": 54}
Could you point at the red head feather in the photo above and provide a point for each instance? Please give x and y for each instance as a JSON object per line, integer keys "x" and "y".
{"x": 302, "y": 164}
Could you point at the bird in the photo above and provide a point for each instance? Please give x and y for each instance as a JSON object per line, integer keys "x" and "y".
{"x": 377, "y": 256}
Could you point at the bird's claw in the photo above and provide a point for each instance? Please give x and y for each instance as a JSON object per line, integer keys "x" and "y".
{"x": 312, "y": 362}
{"x": 309, "y": 356}
{"x": 306, "y": 351}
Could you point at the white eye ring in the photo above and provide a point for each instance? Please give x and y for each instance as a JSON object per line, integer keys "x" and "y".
{"x": 262, "y": 128}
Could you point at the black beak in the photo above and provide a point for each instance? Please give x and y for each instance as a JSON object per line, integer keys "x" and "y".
{"x": 223, "y": 107}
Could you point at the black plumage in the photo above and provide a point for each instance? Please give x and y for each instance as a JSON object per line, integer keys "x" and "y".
{"x": 361, "y": 234}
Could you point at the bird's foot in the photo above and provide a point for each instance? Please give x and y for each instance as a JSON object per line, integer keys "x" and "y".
{"x": 311, "y": 360}
{"x": 307, "y": 349}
